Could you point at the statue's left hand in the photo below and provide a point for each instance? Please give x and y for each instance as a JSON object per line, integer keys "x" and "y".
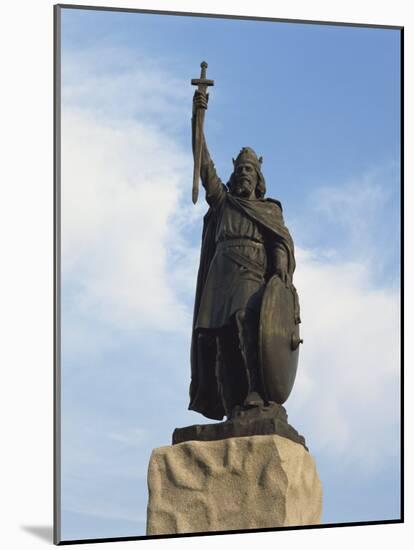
{"x": 280, "y": 264}
{"x": 284, "y": 275}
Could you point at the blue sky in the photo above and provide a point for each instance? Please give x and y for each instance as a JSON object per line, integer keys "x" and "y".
{"x": 321, "y": 105}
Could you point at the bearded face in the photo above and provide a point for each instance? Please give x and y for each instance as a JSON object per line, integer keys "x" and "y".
{"x": 244, "y": 181}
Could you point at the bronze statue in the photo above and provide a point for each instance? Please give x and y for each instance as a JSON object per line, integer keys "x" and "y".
{"x": 245, "y": 341}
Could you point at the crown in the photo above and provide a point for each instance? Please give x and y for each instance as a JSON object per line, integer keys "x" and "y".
{"x": 248, "y": 155}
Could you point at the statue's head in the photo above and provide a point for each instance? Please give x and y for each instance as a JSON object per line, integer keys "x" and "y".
{"x": 247, "y": 180}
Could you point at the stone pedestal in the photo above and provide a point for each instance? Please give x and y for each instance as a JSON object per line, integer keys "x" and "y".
{"x": 232, "y": 484}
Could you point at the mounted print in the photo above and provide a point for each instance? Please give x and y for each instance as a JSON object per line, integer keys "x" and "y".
{"x": 228, "y": 264}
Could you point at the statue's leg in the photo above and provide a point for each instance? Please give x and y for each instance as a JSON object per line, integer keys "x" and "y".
{"x": 208, "y": 394}
{"x": 247, "y": 323}
{"x": 221, "y": 376}
{"x": 231, "y": 378}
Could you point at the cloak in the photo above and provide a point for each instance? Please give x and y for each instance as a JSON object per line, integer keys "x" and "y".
{"x": 267, "y": 213}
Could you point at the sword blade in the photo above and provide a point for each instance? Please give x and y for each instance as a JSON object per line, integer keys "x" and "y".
{"x": 198, "y": 152}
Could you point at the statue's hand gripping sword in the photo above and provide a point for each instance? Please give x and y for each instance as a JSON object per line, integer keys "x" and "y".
{"x": 202, "y": 84}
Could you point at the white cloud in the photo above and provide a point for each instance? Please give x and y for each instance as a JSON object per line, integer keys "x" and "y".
{"x": 122, "y": 211}
{"x": 357, "y": 220}
{"x": 124, "y": 85}
{"x": 346, "y": 394}
{"x": 346, "y": 397}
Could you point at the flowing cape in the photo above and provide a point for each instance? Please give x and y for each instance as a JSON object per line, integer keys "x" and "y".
{"x": 267, "y": 213}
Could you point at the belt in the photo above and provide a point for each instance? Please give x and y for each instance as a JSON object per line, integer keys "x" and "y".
{"x": 239, "y": 242}
{"x": 240, "y": 259}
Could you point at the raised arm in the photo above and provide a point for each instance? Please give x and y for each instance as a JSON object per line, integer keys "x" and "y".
{"x": 214, "y": 187}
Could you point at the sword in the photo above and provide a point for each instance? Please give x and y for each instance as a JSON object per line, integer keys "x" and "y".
{"x": 202, "y": 84}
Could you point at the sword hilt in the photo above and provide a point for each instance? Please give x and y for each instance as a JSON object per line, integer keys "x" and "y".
{"x": 202, "y": 82}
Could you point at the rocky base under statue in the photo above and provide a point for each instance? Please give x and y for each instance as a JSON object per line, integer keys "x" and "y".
{"x": 238, "y": 483}
{"x": 268, "y": 419}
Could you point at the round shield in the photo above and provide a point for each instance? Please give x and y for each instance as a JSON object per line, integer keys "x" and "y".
{"x": 278, "y": 340}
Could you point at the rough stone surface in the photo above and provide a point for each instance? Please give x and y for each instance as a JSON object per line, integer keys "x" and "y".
{"x": 232, "y": 484}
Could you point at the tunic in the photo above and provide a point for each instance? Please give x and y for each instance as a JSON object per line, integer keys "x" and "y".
{"x": 236, "y": 276}
{"x": 237, "y": 272}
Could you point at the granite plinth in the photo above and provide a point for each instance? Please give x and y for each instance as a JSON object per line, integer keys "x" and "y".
{"x": 251, "y": 482}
